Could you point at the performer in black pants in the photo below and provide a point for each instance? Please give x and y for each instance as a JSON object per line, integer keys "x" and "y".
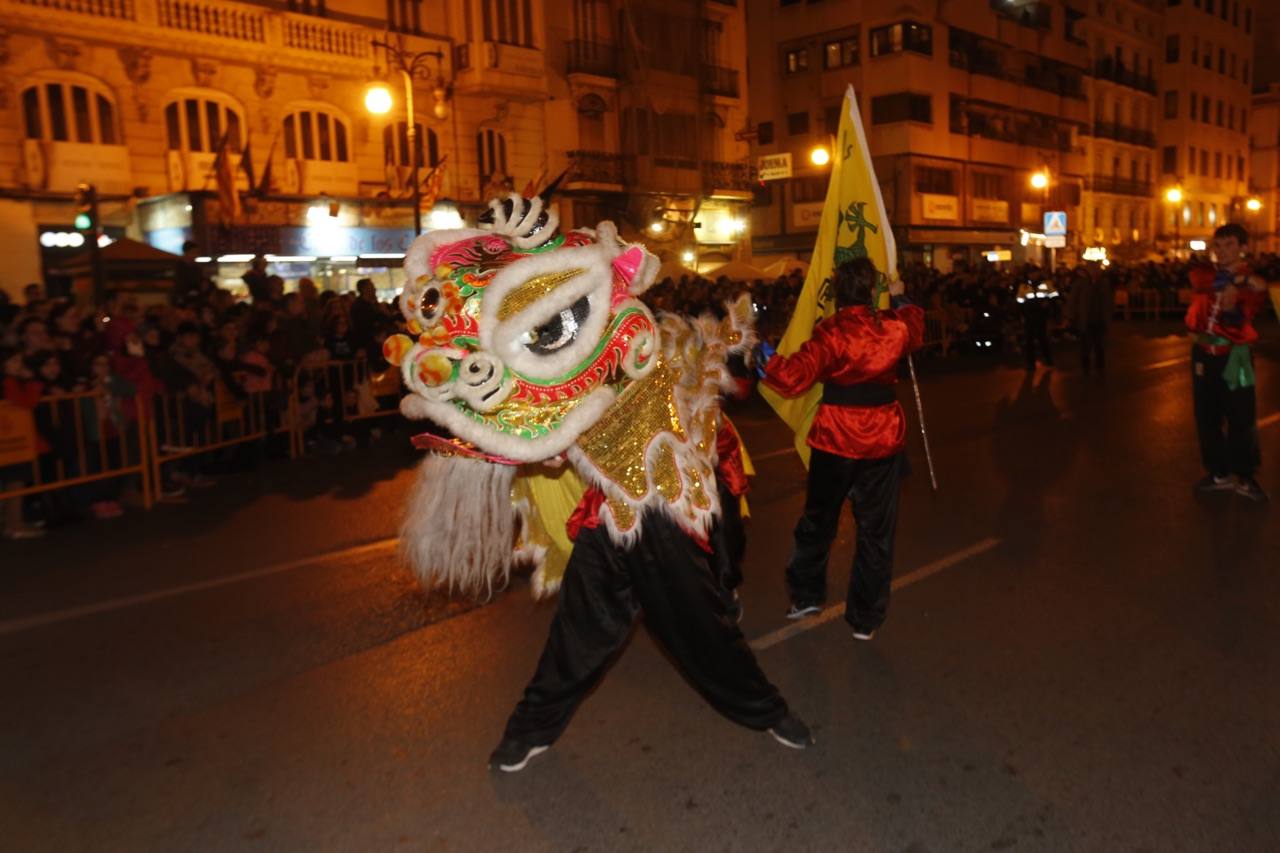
{"x": 857, "y": 440}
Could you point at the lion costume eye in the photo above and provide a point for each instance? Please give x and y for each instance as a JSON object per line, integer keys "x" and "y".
{"x": 558, "y": 332}
{"x": 431, "y": 304}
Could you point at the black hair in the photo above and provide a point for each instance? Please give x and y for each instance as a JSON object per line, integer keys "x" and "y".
{"x": 1232, "y": 229}
{"x": 187, "y": 328}
{"x": 855, "y": 282}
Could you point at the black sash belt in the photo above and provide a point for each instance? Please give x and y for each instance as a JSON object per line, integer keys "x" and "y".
{"x": 864, "y": 395}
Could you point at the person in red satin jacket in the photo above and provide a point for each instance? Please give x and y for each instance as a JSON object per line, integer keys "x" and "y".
{"x": 1225, "y": 298}
{"x": 857, "y": 442}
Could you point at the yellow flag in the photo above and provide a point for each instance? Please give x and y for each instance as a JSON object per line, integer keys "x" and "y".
{"x": 853, "y": 225}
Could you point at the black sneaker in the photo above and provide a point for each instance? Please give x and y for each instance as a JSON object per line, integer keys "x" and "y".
{"x": 1214, "y": 483}
{"x": 1251, "y": 490}
{"x": 791, "y": 731}
{"x": 803, "y": 610}
{"x": 732, "y": 605}
{"x": 512, "y": 755}
{"x": 863, "y": 633}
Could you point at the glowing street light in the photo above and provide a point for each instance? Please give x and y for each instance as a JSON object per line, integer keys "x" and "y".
{"x": 377, "y": 99}
{"x": 820, "y": 155}
{"x": 1254, "y": 204}
{"x": 1173, "y": 195}
{"x": 1040, "y": 180}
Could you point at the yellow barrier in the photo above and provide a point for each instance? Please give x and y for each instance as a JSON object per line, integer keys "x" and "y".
{"x": 353, "y": 392}
{"x": 185, "y": 426}
{"x": 936, "y": 331}
{"x": 79, "y": 450}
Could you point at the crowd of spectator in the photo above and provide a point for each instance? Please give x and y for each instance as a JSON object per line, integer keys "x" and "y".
{"x": 198, "y": 344}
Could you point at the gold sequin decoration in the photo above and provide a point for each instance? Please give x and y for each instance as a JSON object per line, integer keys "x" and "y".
{"x": 666, "y": 476}
{"x": 526, "y": 419}
{"x": 617, "y": 443}
{"x": 524, "y": 295}
{"x": 698, "y": 493}
{"x": 623, "y": 515}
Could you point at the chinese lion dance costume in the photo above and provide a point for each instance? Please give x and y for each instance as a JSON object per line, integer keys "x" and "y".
{"x": 531, "y": 346}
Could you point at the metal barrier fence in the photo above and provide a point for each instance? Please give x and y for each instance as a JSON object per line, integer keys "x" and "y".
{"x": 332, "y": 393}
{"x": 73, "y": 440}
{"x": 936, "y": 331}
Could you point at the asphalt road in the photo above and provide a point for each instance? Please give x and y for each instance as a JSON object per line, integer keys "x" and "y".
{"x": 1080, "y": 655}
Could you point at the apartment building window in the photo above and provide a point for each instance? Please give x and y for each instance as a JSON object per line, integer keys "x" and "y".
{"x": 201, "y": 123}
{"x": 840, "y": 54}
{"x": 1217, "y": 164}
{"x": 1195, "y": 50}
{"x": 66, "y": 110}
{"x": 405, "y": 16}
{"x": 491, "y": 155}
{"x": 1222, "y": 60}
{"x": 1229, "y": 164}
{"x": 1208, "y": 6}
{"x": 1235, "y": 13}
{"x": 831, "y": 119}
{"x": 395, "y": 144}
{"x": 508, "y": 21}
{"x": 1248, "y": 20}
{"x": 1233, "y": 66}
{"x": 1204, "y": 162}
{"x": 1172, "y": 48}
{"x": 1231, "y": 116}
{"x": 796, "y": 61}
{"x": 316, "y": 134}
{"x": 1169, "y": 160}
{"x": 797, "y": 123}
{"x": 1208, "y": 57}
{"x": 901, "y": 106}
{"x": 1240, "y": 167}
{"x": 990, "y": 185}
{"x": 1220, "y": 113}
{"x": 1206, "y": 110}
{"x": 906, "y": 35}
{"x": 1193, "y": 100}
{"x": 808, "y": 189}
{"x": 935, "y": 181}
{"x": 764, "y": 133}
{"x": 1191, "y": 159}
{"x": 1244, "y": 72}
{"x": 1171, "y": 104}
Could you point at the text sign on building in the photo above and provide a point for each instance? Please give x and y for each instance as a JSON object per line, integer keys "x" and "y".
{"x": 1055, "y": 241}
{"x": 1055, "y": 223}
{"x": 775, "y": 167}
{"x": 940, "y": 206}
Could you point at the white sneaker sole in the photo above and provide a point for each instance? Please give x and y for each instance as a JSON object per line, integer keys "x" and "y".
{"x": 515, "y": 768}
{"x": 803, "y": 614}
{"x": 788, "y": 744}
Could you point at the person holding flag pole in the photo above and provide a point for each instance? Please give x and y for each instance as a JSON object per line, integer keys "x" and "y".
{"x": 832, "y": 382}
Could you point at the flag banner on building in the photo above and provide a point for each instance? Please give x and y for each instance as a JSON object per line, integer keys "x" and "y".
{"x": 853, "y": 225}
{"x": 225, "y": 173}
{"x": 431, "y": 185}
{"x": 263, "y": 187}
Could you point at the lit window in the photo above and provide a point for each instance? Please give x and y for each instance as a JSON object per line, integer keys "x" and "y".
{"x": 70, "y": 109}
{"x": 316, "y": 133}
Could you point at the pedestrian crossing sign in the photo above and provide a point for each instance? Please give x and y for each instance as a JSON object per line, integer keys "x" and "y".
{"x": 1055, "y": 223}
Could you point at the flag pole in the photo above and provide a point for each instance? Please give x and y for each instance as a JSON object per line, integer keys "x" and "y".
{"x": 924, "y": 433}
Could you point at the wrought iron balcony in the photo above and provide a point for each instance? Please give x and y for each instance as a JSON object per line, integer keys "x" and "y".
{"x": 598, "y": 167}
{"x": 1109, "y": 69}
{"x": 592, "y": 57}
{"x": 1124, "y": 133}
{"x": 720, "y": 81}
{"x": 1119, "y": 186}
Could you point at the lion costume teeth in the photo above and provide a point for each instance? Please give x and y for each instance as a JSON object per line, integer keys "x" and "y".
{"x": 532, "y": 344}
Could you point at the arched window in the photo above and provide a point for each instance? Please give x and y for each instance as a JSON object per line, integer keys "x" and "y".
{"x": 70, "y": 108}
{"x": 395, "y": 144}
{"x": 200, "y": 121}
{"x": 316, "y": 133}
{"x": 491, "y": 153}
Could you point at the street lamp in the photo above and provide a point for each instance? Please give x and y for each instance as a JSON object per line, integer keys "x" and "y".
{"x": 1173, "y": 195}
{"x": 1254, "y": 204}
{"x": 820, "y": 155}
{"x": 378, "y": 101}
{"x": 1040, "y": 180}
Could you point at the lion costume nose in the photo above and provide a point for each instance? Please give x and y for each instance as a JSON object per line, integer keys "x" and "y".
{"x": 480, "y": 381}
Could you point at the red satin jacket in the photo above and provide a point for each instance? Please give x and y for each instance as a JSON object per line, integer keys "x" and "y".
{"x": 1236, "y": 324}
{"x": 852, "y": 348}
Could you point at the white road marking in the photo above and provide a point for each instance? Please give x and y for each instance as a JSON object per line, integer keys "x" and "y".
{"x": 1168, "y": 362}
{"x": 836, "y": 611}
{"x": 1269, "y": 420}
{"x": 14, "y": 626}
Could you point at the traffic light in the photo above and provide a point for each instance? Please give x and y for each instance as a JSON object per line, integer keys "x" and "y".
{"x": 86, "y": 207}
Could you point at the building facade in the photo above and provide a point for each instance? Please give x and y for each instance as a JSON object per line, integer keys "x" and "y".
{"x": 1205, "y": 106}
{"x": 1263, "y": 217}
{"x": 640, "y": 104}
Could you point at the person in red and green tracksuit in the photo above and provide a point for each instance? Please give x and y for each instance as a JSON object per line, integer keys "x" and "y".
{"x": 1227, "y": 295}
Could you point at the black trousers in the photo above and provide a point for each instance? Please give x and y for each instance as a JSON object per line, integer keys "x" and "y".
{"x": 1237, "y": 451}
{"x": 1093, "y": 347}
{"x": 729, "y": 541}
{"x": 668, "y": 578}
{"x": 1033, "y": 338}
{"x": 872, "y": 485}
